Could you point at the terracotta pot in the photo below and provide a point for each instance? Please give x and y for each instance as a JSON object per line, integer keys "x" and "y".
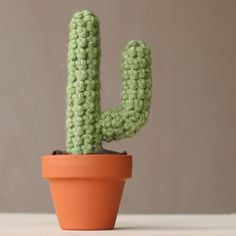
{"x": 86, "y": 189}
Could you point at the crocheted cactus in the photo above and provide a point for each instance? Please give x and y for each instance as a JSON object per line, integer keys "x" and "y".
{"x": 87, "y": 126}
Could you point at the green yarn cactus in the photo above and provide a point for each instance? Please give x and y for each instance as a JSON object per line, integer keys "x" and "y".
{"x": 87, "y": 126}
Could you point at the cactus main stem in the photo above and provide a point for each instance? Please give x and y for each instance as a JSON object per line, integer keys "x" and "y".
{"x": 86, "y": 125}
{"x": 83, "y": 89}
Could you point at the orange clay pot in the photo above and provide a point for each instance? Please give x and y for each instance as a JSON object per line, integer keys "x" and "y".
{"x": 86, "y": 189}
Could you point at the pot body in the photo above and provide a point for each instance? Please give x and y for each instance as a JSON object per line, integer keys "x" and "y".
{"x": 86, "y": 189}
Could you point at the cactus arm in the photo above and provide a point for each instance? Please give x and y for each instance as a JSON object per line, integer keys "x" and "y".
{"x": 136, "y": 94}
{"x": 83, "y": 87}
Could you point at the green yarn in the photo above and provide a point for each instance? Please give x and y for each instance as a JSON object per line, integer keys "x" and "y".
{"x": 87, "y": 126}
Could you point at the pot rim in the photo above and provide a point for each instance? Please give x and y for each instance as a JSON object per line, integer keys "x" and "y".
{"x": 113, "y": 166}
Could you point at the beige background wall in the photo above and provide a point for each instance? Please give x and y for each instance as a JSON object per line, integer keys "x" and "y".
{"x": 184, "y": 158}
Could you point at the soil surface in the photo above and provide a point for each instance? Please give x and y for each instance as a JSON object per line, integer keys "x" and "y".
{"x": 101, "y": 151}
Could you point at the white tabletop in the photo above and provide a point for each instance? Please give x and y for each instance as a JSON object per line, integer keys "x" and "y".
{"x": 145, "y": 225}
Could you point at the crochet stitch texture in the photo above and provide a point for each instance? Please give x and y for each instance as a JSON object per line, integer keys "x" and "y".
{"x": 87, "y": 126}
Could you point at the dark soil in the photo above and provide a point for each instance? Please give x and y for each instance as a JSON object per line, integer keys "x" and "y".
{"x": 102, "y": 151}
